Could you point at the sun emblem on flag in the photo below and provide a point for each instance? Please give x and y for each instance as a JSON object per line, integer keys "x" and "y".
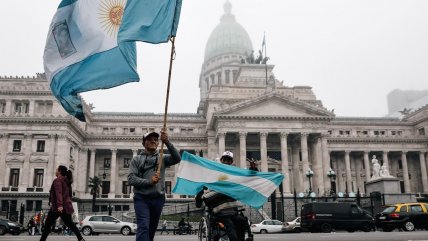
{"x": 111, "y": 12}
{"x": 223, "y": 177}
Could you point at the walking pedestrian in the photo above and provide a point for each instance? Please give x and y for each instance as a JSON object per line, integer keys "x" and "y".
{"x": 60, "y": 203}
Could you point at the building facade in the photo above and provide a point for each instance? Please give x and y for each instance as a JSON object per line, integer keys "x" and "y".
{"x": 243, "y": 108}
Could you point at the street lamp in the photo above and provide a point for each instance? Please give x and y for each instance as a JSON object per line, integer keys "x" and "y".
{"x": 310, "y": 174}
{"x": 332, "y": 175}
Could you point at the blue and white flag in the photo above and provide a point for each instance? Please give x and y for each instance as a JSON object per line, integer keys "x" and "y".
{"x": 247, "y": 186}
{"x": 90, "y": 44}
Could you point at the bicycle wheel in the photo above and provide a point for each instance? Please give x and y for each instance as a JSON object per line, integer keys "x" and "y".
{"x": 203, "y": 230}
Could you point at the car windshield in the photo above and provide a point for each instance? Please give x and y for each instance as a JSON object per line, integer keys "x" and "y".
{"x": 389, "y": 209}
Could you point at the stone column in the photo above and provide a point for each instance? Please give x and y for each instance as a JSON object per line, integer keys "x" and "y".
{"x": 221, "y": 143}
{"x": 326, "y": 162}
{"x": 367, "y": 166}
{"x": 284, "y": 163}
{"x": 423, "y": 171}
{"x": 243, "y": 149}
{"x": 113, "y": 173}
{"x": 348, "y": 172}
{"x": 305, "y": 161}
{"x": 263, "y": 151}
{"x": 8, "y": 110}
{"x": 92, "y": 163}
{"x": 3, "y": 151}
{"x": 297, "y": 175}
{"x": 385, "y": 159}
{"x": 31, "y": 107}
{"x": 317, "y": 165}
{"x": 26, "y": 168}
{"x": 82, "y": 183}
{"x": 50, "y": 172}
{"x": 405, "y": 172}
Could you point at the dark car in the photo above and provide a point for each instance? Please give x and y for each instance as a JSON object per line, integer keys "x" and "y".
{"x": 406, "y": 216}
{"x": 326, "y": 216}
{"x": 7, "y": 226}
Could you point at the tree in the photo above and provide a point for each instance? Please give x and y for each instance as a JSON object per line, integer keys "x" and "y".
{"x": 95, "y": 186}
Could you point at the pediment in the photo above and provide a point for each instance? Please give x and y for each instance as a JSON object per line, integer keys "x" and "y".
{"x": 275, "y": 106}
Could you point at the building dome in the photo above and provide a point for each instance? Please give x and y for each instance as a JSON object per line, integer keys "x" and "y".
{"x": 228, "y": 37}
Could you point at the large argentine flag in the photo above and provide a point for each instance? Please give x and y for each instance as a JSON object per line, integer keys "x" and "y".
{"x": 249, "y": 187}
{"x": 90, "y": 44}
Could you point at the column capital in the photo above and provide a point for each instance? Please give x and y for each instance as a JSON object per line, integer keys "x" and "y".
{"x": 83, "y": 149}
{"x": 347, "y": 152}
{"x": 304, "y": 134}
{"x": 243, "y": 134}
{"x": 264, "y": 134}
{"x": 423, "y": 152}
{"x": 93, "y": 149}
{"x": 284, "y": 134}
{"x": 404, "y": 152}
{"x": 113, "y": 150}
{"x": 221, "y": 134}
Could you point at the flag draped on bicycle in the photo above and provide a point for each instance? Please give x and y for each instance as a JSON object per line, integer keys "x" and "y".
{"x": 247, "y": 186}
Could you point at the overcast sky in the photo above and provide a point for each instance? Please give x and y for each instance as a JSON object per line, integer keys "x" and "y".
{"x": 352, "y": 53}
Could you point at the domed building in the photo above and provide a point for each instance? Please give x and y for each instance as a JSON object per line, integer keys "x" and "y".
{"x": 243, "y": 108}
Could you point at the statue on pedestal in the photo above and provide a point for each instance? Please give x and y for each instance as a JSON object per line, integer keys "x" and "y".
{"x": 384, "y": 172}
{"x": 376, "y": 168}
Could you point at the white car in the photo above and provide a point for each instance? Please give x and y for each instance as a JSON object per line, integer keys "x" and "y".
{"x": 267, "y": 226}
{"x": 106, "y": 224}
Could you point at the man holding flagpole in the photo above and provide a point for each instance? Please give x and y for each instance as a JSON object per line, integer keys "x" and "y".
{"x": 149, "y": 186}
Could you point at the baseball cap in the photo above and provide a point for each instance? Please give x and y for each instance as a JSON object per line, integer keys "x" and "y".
{"x": 228, "y": 154}
{"x": 152, "y": 133}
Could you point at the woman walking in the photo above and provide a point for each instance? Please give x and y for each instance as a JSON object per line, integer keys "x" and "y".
{"x": 60, "y": 202}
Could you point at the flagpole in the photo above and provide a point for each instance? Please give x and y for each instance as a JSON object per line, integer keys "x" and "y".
{"x": 166, "y": 104}
{"x": 264, "y": 43}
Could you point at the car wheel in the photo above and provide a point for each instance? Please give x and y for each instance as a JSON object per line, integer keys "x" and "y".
{"x": 326, "y": 228}
{"x": 263, "y": 231}
{"x": 366, "y": 227}
{"x": 86, "y": 231}
{"x": 125, "y": 231}
{"x": 297, "y": 230}
{"x": 2, "y": 230}
{"x": 409, "y": 226}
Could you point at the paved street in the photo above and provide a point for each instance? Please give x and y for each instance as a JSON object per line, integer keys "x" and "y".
{"x": 340, "y": 236}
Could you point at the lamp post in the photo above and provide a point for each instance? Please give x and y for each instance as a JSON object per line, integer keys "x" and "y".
{"x": 332, "y": 175}
{"x": 310, "y": 174}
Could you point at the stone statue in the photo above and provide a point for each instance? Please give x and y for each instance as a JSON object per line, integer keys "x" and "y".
{"x": 384, "y": 172}
{"x": 259, "y": 57}
{"x": 376, "y": 168}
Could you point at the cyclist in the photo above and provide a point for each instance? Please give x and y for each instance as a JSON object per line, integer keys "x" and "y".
{"x": 225, "y": 208}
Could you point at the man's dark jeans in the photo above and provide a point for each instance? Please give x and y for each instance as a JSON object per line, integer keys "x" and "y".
{"x": 147, "y": 211}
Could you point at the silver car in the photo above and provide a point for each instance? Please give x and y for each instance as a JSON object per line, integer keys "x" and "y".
{"x": 292, "y": 226}
{"x": 106, "y": 224}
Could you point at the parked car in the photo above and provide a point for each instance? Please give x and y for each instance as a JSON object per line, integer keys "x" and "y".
{"x": 106, "y": 224}
{"x": 267, "y": 226}
{"x": 406, "y": 216}
{"x": 7, "y": 226}
{"x": 326, "y": 216}
{"x": 292, "y": 226}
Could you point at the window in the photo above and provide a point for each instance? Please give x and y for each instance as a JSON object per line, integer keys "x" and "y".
{"x": 168, "y": 187}
{"x": 421, "y": 131}
{"x": 126, "y": 162}
{"x": 126, "y": 189}
{"x": 43, "y": 107}
{"x": 38, "y": 205}
{"x": 403, "y": 209}
{"x": 107, "y": 163}
{"x": 108, "y": 219}
{"x": 17, "y": 145}
{"x": 14, "y": 177}
{"x": 227, "y": 76}
{"x": 132, "y": 130}
{"x": 117, "y": 208}
{"x": 29, "y": 205}
{"x": 2, "y": 107}
{"x": 40, "y": 146}
{"x": 4, "y": 205}
{"x": 125, "y": 208}
{"x": 416, "y": 209}
{"x": 21, "y": 107}
{"x": 95, "y": 219}
{"x": 38, "y": 177}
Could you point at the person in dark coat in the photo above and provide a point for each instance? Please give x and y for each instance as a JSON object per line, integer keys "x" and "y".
{"x": 60, "y": 202}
